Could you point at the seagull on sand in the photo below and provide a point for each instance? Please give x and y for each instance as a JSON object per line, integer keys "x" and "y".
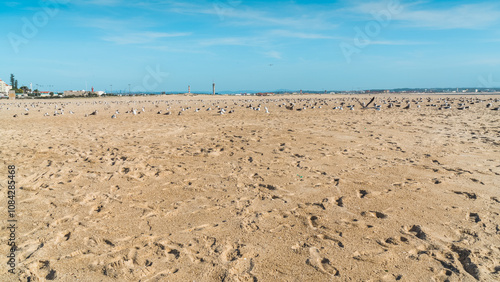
{"x": 365, "y": 106}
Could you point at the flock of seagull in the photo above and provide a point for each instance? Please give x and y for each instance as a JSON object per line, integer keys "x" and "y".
{"x": 227, "y": 106}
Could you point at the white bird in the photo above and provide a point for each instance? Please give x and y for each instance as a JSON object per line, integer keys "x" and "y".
{"x": 267, "y": 110}
{"x": 113, "y": 116}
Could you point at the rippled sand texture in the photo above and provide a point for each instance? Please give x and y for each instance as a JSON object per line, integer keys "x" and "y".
{"x": 314, "y": 194}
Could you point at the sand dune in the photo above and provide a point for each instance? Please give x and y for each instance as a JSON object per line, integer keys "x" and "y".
{"x": 308, "y": 193}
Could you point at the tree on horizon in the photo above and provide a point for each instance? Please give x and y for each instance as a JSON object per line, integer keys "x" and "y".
{"x": 13, "y": 82}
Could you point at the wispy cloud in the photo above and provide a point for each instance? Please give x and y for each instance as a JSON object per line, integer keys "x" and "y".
{"x": 472, "y": 16}
{"x": 112, "y": 24}
{"x": 300, "y": 35}
{"x": 145, "y": 37}
{"x": 422, "y": 15}
{"x": 234, "y": 41}
{"x": 112, "y": 3}
{"x": 398, "y": 42}
{"x": 169, "y": 49}
{"x": 12, "y": 4}
{"x": 273, "y": 54}
{"x": 236, "y": 13}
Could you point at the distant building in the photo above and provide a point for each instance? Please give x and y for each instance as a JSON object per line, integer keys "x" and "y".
{"x": 79, "y": 93}
{"x": 4, "y": 88}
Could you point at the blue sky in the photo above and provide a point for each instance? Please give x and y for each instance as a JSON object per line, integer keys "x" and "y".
{"x": 161, "y": 45}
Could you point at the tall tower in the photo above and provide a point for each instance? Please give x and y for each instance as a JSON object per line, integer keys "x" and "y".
{"x": 213, "y": 88}
{"x": 189, "y": 89}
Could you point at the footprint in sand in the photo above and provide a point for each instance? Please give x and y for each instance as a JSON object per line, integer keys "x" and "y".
{"x": 416, "y": 230}
{"x": 249, "y": 225}
{"x": 471, "y": 196}
{"x": 321, "y": 263}
{"x": 362, "y": 193}
{"x": 374, "y": 214}
{"x": 473, "y": 217}
{"x": 41, "y": 270}
{"x": 313, "y": 221}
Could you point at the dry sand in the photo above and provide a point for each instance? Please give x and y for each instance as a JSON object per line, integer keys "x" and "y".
{"x": 312, "y": 195}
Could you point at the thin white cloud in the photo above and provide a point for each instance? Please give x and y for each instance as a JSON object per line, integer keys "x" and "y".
{"x": 398, "y": 42}
{"x": 235, "y": 13}
{"x": 472, "y": 16}
{"x": 423, "y": 15}
{"x": 145, "y": 37}
{"x": 170, "y": 49}
{"x": 232, "y": 41}
{"x": 112, "y": 3}
{"x": 12, "y": 4}
{"x": 112, "y": 24}
{"x": 273, "y": 54}
{"x": 300, "y": 35}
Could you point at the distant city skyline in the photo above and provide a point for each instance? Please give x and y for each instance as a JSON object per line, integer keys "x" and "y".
{"x": 162, "y": 45}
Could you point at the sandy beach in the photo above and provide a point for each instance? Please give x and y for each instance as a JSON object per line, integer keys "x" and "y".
{"x": 302, "y": 193}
